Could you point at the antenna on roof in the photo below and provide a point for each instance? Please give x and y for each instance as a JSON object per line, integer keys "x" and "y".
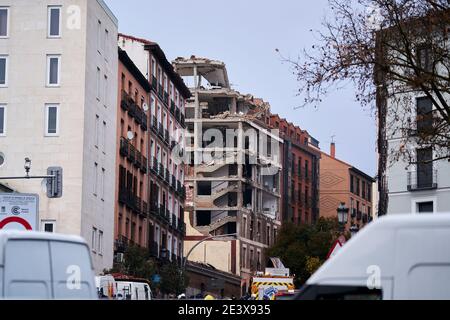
{"x": 332, "y": 138}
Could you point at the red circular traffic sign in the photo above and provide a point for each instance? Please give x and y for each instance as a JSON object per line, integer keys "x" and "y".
{"x": 18, "y": 220}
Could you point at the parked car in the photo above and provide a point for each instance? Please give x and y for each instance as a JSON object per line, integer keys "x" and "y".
{"x": 394, "y": 258}
{"x": 35, "y": 265}
{"x": 133, "y": 290}
{"x": 106, "y": 287}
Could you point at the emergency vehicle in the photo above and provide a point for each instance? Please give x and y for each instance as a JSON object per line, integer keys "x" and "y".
{"x": 274, "y": 281}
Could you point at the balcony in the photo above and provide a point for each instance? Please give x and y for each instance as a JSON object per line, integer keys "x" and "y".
{"x": 132, "y": 111}
{"x": 173, "y": 185}
{"x": 177, "y": 114}
{"x": 121, "y": 244}
{"x": 123, "y": 195}
{"x": 153, "y": 249}
{"x": 365, "y": 218}
{"x": 359, "y": 215}
{"x": 124, "y": 147}
{"x": 144, "y": 165}
{"x": 166, "y": 136}
{"x": 167, "y": 178}
{"x": 138, "y": 205}
{"x": 161, "y": 170}
{"x": 144, "y": 121}
{"x": 124, "y": 104}
{"x": 154, "y": 208}
{"x": 174, "y": 221}
{"x": 162, "y": 211}
{"x": 154, "y": 124}
{"x": 422, "y": 180}
{"x": 161, "y": 131}
{"x": 182, "y": 227}
{"x": 173, "y": 144}
{"x": 154, "y": 166}
{"x": 144, "y": 209}
{"x": 154, "y": 83}
{"x": 132, "y": 153}
{"x": 160, "y": 92}
{"x": 138, "y": 161}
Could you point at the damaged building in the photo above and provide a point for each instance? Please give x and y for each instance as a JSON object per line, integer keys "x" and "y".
{"x": 233, "y": 177}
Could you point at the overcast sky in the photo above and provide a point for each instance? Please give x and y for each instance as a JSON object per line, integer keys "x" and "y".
{"x": 244, "y": 34}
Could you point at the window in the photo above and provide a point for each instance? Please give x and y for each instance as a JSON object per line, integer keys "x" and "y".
{"x": 424, "y": 57}
{"x": 54, "y": 22}
{"x": 51, "y": 120}
{"x": 102, "y": 190}
{"x": 98, "y": 83}
{"x": 53, "y": 70}
{"x": 104, "y": 138}
{"x": 424, "y": 115}
{"x": 105, "y": 91}
{"x": 153, "y": 67}
{"x": 2, "y": 120}
{"x": 99, "y": 36}
{"x": 364, "y": 190}
{"x": 425, "y": 207}
{"x": 352, "y": 184}
{"x": 48, "y": 226}
{"x": 100, "y": 242}
{"x": 325, "y": 292}
{"x": 94, "y": 240}
{"x": 3, "y": 71}
{"x": 4, "y": 22}
{"x": 425, "y": 177}
{"x": 106, "y": 42}
{"x": 95, "y": 178}
{"x": 97, "y": 129}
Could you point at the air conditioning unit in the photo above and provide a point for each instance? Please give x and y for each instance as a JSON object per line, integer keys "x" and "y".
{"x": 119, "y": 257}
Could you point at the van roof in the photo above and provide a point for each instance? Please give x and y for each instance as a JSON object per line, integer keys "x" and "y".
{"x": 15, "y": 234}
{"x": 6, "y": 235}
{"x": 374, "y": 246}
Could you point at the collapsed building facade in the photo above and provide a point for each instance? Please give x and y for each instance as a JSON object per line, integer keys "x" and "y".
{"x": 233, "y": 178}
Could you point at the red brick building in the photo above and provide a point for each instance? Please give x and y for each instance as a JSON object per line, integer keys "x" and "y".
{"x": 300, "y": 178}
{"x": 164, "y": 196}
{"x": 131, "y": 210}
{"x": 341, "y": 182}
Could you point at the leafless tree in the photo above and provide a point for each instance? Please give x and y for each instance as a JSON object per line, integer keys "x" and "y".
{"x": 392, "y": 51}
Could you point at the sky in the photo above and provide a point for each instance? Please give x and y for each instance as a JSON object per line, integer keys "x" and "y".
{"x": 245, "y": 34}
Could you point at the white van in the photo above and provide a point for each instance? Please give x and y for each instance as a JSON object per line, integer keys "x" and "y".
{"x": 401, "y": 257}
{"x": 106, "y": 287}
{"x": 133, "y": 290}
{"x": 41, "y": 266}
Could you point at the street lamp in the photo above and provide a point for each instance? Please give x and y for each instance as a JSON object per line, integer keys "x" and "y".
{"x": 27, "y": 166}
{"x": 342, "y": 212}
{"x": 354, "y": 230}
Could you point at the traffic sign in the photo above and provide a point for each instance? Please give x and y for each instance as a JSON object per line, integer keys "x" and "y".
{"x": 337, "y": 245}
{"x": 19, "y": 211}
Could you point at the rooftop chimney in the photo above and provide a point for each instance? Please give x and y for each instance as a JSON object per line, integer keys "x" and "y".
{"x": 333, "y": 150}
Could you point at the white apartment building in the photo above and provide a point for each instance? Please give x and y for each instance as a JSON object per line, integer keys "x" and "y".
{"x": 416, "y": 188}
{"x": 58, "y": 100}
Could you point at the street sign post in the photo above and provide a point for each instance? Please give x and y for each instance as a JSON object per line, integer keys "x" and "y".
{"x": 19, "y": 211}
{"x": 337, "y": 245}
